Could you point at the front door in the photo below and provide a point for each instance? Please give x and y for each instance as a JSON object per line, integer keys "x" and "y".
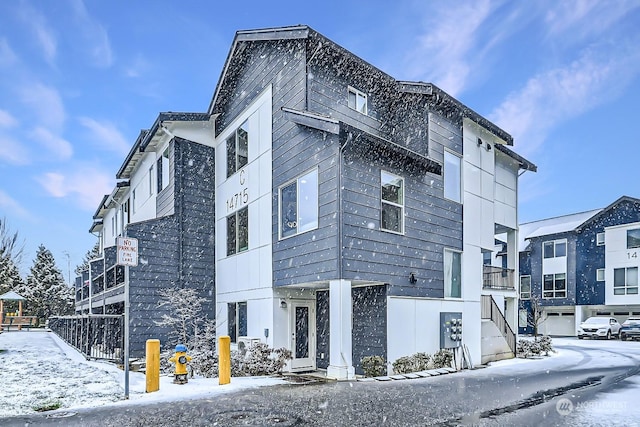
{"x": 302, "y": 324}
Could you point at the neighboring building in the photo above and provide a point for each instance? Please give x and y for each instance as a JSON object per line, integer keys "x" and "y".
{"x": 580, "y": 265}
{"x": 352, "y": 209}
{"x": 165, "y": 199}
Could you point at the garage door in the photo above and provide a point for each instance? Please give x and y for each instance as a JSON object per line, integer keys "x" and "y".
{"x": 560, "y": 324}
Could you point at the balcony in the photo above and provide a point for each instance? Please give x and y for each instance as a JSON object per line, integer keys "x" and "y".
{"x": 498, "y": 278}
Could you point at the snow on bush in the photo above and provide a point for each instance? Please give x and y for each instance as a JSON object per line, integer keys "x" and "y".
{"x": 539, "y": 346}
{"x": 373, "y": 366}
{"x": 443, "y": 358}
{"x": 414, "y": 363}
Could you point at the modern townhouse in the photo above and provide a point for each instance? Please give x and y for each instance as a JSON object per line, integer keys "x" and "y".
{"x": 355, "y": 212}
{"x": 580, "y": 265}
{"x": 164, "y": 197}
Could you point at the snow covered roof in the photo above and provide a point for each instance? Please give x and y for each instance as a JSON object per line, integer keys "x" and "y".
{"x": 12, "y": 296}
{"x": 549, "y": 226}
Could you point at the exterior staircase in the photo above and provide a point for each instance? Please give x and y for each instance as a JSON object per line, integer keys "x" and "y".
{"x": 494, "y": 348}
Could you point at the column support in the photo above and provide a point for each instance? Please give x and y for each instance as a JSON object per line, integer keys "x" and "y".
{"x": 340, "y": 321}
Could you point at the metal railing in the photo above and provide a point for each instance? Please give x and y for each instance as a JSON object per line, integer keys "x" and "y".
{"x": 489, "y": 310}
{"x": 498, "y": 278}
{"x": 97, "y": 336}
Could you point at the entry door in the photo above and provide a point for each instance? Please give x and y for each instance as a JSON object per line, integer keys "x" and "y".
{"x": 302, "y": 324}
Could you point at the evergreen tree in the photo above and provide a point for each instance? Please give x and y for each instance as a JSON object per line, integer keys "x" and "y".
{"x": 10, "y": 255}
{"x": 10, "y": 279}
{"x": 90, "y": 255}
{"x": 46, "y": 291}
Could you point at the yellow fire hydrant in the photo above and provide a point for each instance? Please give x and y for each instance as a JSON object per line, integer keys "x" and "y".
{"x": 181, "y": 359}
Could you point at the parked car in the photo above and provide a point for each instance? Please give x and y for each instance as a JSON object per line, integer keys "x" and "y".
{"x": 599, "y": 327}
{"x": 630, "y": 328}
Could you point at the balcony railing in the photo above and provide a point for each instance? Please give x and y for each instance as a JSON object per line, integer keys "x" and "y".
{"x": 498, "y": 278}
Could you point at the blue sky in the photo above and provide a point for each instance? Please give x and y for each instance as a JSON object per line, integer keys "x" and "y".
{"x": 80, "y": 79}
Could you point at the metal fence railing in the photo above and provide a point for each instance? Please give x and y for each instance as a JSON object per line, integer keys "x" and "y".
{"x": 97, "y": 336}
{"x": 489, "y": 310}
{"x": 498, "y": 278}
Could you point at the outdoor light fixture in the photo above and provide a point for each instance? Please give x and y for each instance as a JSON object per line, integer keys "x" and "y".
{"x": 412, "y": 278}
{"x": 479, "y": 142}
{"x": 488, "y": 147}
{"x": 283, "y": 303}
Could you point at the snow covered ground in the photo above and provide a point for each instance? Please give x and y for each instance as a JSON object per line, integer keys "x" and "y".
{"x": 40, "y": 370}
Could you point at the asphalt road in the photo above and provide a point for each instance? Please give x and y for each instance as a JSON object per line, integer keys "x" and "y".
{"x": 523, "y": 394}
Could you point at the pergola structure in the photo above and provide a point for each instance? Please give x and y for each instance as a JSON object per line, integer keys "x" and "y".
{"x": 10, "y": 296}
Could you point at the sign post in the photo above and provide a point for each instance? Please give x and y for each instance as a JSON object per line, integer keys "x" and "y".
{"x": 127, "y": 253}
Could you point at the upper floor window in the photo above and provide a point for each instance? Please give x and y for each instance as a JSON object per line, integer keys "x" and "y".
{"x": 392, "y": 196}
{"x": 554, "y": 286}
{"x": 525, "y": 287}
{"x": 237, "y": 149}
{"x": 163, "y": 170}
{"x": 299, "y": 205}
{"x": 452, "y": 187}
{"x": 238, "y": 231}
{"x": 625, "y": 281}
{"x": 452, "y": 274}
{"x": 357, "y": 100}
{"x": 555, "y": 249}
{"x": 600, "y": 239}
{"x": 633, "y": 238}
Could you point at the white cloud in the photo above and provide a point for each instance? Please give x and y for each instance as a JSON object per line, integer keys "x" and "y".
{"x": 106, "y": 135}
{"x": 7, "y": 55}
{"x": 44, "y": 36}
{"x": 98, "y": 46}
{"x": 85, "y": 184}
{"x": 57, "y": 146}
{"x": 443, "y": 51}
{"x": 46, "y": 103}
{"x": 12, "y": 151}
{"x": 550, "y": 98}
{"x": 7, "y": 120}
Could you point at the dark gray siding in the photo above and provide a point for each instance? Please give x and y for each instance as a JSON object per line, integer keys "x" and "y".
{"x": 537, "y": 273}
{"x": 322, "y": 329}
{"x": 369, "y": 333}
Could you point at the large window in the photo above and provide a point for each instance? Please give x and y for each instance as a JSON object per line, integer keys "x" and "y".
{"x": 525, "y": 287}
{"x": 554, "y": 286}
{"x": 357, "y": 100}
{"x": 238, "y": 232}
{"x": 237, "y": 149}
{"x": 452, "y": 274}
{"x": 452, "y": 187}
{"x": 555, "y": 249}
{"x": 299, "y": 205}
{"x": 392, "y": 196}
{"x": 237, "y": 320}
{"x": 163, "y": 170}
{"x": 633, "y": 238}
{"x": 625, "y": 281}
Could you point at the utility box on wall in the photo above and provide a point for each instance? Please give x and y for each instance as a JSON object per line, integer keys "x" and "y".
{"x": 450, "y": 330}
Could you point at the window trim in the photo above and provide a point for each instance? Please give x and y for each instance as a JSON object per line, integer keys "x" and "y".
{"x": 448, "y": 280}
{"x": 445, "y": 174}
{"x": 358, "y": 94}
{"x": 391, "y": 203}
{"x": 626, "y": 286}
{"x": 244, "y": 126}
{"x": 637, "y": 245}
{"x": 600, "y": 239}
{"x": 600, "y": 275}
{"x": 555, "y": 291}
{"x": 236, "y": 216}
{"x": 297, "y": 180}
{"x": 555, "y": 243}
{"x": 235, "y": 326}
{"x": 526, "y": 276}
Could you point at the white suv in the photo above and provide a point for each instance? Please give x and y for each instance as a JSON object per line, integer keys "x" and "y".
{"x": 599, "y": 327}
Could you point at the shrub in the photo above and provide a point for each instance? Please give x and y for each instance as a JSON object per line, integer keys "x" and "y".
{"x": 414, "y": 363}
{"x": 442, "y": 359}
{"x": 373, "y": 366}
{"x": 260, "y": 359}
{"x": 523, "y": 348}
{"x": 528, "y": 348}
{"x": 546, "y": 345}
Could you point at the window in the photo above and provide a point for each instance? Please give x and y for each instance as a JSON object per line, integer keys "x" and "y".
{"x": 554, "y": 286}
{"x": 633, "y": 238}
{"x": 237, "y": 149}
{"x": 555, "y": 249}
{"x": 299, "y": 205}
{"x": 600, "y": 239}
{"x": 452, "y": 274}
{"x": 163, "y": 170}
{"x": 525, "y": 287}
{"x": 238, "y": 231}
{"x": 237, "y": 320}
{"x": 357, "y": 100}
{"x": 134, "y": 204}
{"x": 151, "y": 180}
{"x": 625, "y": 281}
{"x": 600, "y": 275}
{"x": 392, "y": 196}
{"x": 452, "y": 190}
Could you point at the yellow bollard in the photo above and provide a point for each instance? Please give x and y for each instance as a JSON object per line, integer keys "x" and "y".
{"x": 153, "y": 366}
{"x": 224, "y": 359}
